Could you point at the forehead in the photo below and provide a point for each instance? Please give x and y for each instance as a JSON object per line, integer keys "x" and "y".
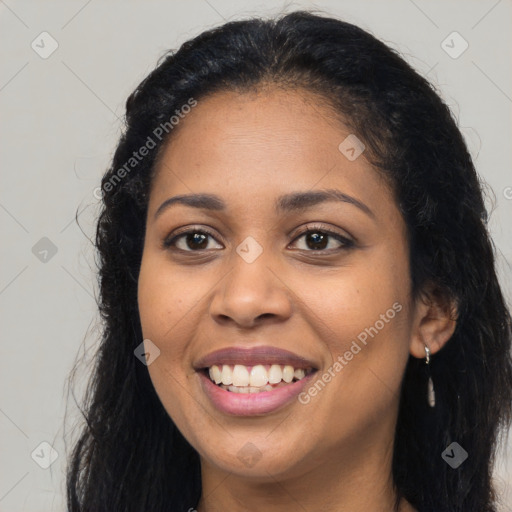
{"x": 260, "y": 144}
{"x": 280, "y": 120}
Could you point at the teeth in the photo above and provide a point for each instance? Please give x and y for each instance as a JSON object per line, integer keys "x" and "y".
{"x": 299, "y": 374}
{"x": 215, "y": 374}
{"x": 243, "y": 379}
{"x": 258, "y": 376}
{"x": 275, "y": 374}
{"x": 227, "y": 375}
{"x": 240, "y": 376}
{"x": 288, "y": 373}
{"x": 252, "y": 389}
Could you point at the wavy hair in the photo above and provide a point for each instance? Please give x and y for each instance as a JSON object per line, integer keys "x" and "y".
{"x": 129, "y": 455}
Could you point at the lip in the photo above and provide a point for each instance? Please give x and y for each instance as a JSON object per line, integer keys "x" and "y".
{"x": 252, "y": 404}
{"x": 253, "y": 356}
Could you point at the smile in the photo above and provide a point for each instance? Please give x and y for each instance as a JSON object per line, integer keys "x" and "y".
{"x": 253, "y": 381}
{"x": 240, "y": 378}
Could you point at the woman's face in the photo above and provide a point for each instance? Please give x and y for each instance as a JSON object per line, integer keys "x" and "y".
{"x": 268, "y": 281}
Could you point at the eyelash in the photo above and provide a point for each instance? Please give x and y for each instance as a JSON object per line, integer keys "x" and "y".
{"x": 346, "y": 242}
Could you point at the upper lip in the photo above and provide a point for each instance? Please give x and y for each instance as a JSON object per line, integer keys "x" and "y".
{"x": 252, "y": 356}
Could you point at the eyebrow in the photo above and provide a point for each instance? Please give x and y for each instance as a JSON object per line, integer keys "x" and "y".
{"x": 295, "y": 201}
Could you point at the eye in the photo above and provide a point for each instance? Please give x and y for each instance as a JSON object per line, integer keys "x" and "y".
{"x": 192, "y": 240}
{"x": 317, "y": 238}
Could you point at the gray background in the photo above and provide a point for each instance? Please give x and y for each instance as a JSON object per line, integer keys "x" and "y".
{"x": 60, "y": 124}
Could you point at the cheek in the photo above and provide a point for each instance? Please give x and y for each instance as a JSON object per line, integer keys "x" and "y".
{"x": 165, "y": 298}
{"x": 169, "y": 303}
{"x": 163, "y": 308}
{"x": 361, "y": 315}
{"x": 351, "y": 300}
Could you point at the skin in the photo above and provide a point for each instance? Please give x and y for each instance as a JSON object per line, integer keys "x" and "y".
{"x": 333, "y": 453}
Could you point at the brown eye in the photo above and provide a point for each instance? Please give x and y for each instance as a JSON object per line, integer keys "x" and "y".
{"x": 190, "y": 241}
{"x": 316, "y": 239}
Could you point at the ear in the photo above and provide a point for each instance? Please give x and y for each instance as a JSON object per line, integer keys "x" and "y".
{"x": 434, "y": 322}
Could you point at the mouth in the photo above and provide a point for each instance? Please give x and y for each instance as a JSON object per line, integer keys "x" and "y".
{"x": 259, "y": 378}
{"x": 253, "y": 381}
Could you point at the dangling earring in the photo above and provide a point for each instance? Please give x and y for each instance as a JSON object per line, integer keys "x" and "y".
{"x": 431, "y": 396}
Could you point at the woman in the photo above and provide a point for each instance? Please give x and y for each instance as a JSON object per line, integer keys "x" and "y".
{"x": 298, "y": 288}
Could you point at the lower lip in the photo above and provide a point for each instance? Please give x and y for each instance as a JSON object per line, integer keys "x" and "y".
{"x": 252, "y": 404}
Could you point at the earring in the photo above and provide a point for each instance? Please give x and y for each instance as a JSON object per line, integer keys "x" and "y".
{"x": 431, "y": 396}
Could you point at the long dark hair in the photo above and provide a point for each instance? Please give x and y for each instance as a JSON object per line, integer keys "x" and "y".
{"x": 129, "y": 455}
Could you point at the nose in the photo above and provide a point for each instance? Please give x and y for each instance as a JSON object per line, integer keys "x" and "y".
{"x": 251, "y": 293}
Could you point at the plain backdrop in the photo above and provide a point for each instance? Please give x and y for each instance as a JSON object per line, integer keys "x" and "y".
{"x": 60, "y": 121}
